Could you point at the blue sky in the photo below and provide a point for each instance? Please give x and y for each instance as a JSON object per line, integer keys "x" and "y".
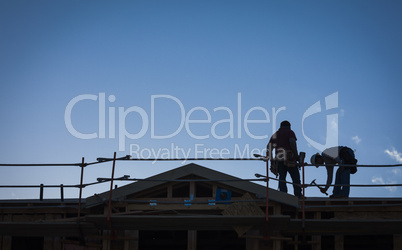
{"x": 163, "y": 67}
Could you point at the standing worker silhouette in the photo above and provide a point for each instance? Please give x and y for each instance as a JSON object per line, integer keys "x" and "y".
{"x": 286, "y": 157}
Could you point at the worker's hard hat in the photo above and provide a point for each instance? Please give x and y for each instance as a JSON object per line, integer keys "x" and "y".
{"x": 313, "y": 158}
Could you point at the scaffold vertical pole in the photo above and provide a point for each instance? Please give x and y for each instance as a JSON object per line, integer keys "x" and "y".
{"x": 112, "y": 232}
{"x": 81, "y": 181}
{"x": 266, "y": 235}
{"x": 302, "y": 156}
{"x": 61, "y": 193}
{"x": 111, "y": 188}
{"x": 41, "y": 192}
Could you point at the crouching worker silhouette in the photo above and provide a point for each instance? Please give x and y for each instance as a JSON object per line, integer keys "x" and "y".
{"x": 337, "y": 155}
{"x": 286, "y": 155}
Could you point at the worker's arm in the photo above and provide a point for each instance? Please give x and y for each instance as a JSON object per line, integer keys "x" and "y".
{"x": 293, "y": 146}
{"x": 269, "y": 151}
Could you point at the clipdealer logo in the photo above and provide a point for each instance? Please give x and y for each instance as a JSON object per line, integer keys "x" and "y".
{"x": 239, "y": 118}
{"x": 237, "y": 121}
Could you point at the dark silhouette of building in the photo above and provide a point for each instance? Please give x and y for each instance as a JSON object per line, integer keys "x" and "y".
{"x": 193, "y": 207}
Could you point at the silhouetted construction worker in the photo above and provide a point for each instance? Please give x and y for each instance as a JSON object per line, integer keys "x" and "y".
{"x": 286, "y": 156}
{"x": 337, "y": 155}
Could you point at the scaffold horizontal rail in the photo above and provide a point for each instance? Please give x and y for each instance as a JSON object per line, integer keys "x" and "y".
{"x": 127, "y": 158}
{"x": 41, "y": 165}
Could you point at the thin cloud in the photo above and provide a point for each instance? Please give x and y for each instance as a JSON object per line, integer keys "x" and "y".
{"x": 334, "y": 124}
{"x": 396, "y": 171}
{"x": 342, "y": 112}
{"x": 356, "y": 139}
{"x": 380, "y": 180}
{"x": 394, "y": 154}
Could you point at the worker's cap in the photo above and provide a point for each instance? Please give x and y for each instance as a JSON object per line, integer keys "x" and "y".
{"x": 285, "y": 124}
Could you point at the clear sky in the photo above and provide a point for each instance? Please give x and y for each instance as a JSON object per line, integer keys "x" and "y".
{"x": 196, "y": 77}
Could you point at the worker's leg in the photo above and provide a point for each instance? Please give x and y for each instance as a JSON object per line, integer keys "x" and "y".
{"x": 342, "y": 179}
{"x": 282, "y": 170}
{"x": 337, "y": 189}
{"x": 345, "y": 181}
{"x": 295, "y": 174}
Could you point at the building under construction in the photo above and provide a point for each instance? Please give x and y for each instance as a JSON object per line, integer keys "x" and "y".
{"x": 194, "y": 207}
